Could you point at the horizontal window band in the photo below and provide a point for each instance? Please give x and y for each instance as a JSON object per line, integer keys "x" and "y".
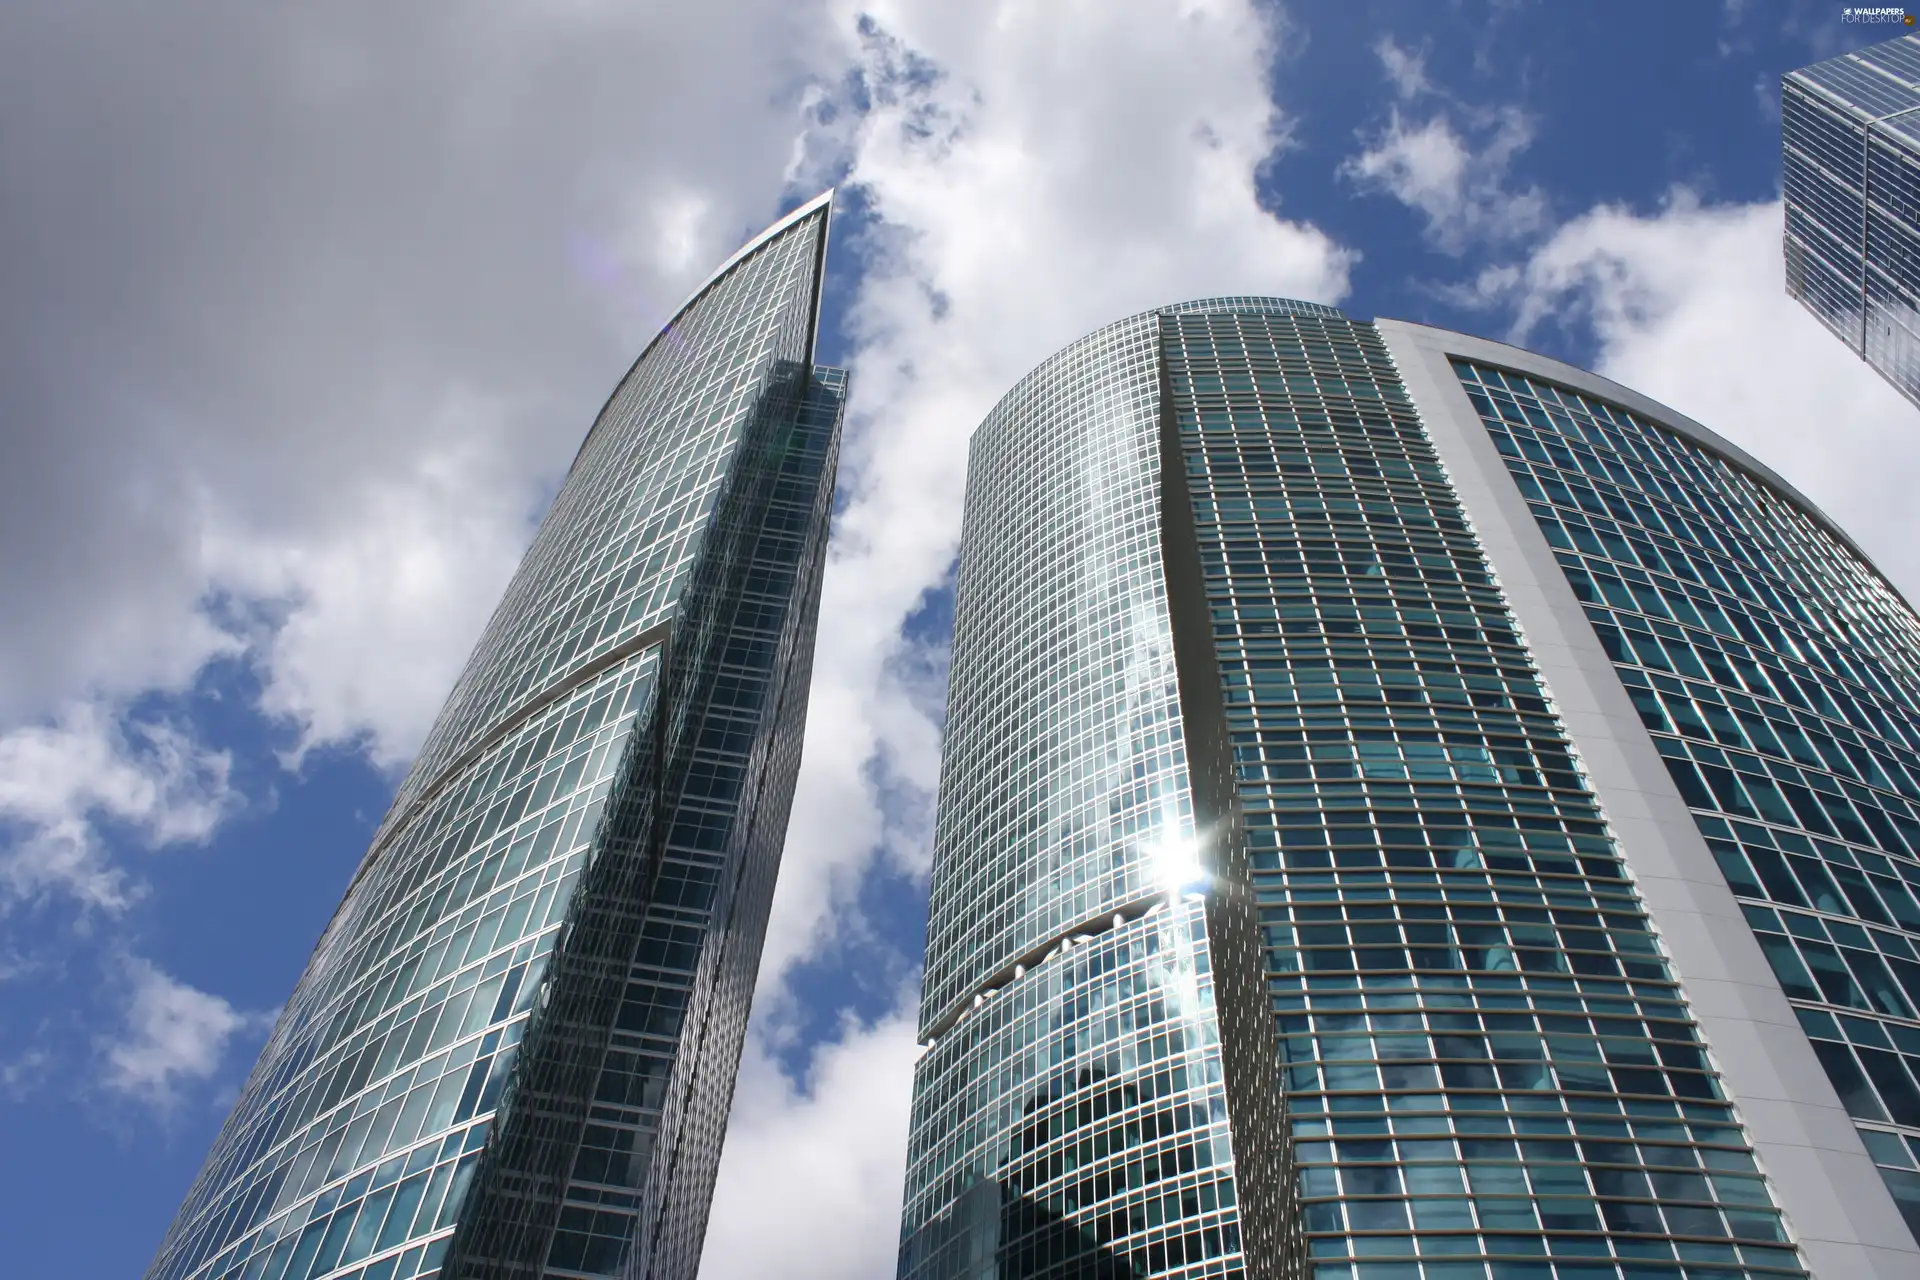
{"x": 1088, "y": 928}
{"x": 533, "y": 705}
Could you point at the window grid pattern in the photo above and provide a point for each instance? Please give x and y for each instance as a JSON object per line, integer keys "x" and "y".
{"x": 1489, "y": 1068}
{"x": 396, "y": 1052}
{"x": 1064, "y": 793}
{"x": 613, "y": 554}
{"x": 1778, "y": 675}
{"x": 643, "y": 665}
{"x": 1076, "y": 1123}
{"x": 1850, "y": 164}
{"x": 648, "y": 1156}
{"x": 1063, "y": 747}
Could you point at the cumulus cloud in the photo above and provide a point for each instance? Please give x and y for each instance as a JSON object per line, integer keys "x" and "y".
{"x": 1025, "y": 175}
{"x": 173, "y": 1036}
{"x": 1453, "y": 167}
{"x": 1688, "y": 304}
{"x": 275, "y": 298}
{"x": 1029, "y": 173}
{"x": 377, "y": 606}
{"x": 819, "y": 1161}
{"x": 61, "y": 779}
{"x": 305, "y": 311}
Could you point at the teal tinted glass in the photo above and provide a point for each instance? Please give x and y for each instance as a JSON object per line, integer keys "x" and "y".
{"x": 1778, "y": 675}
{"x": 1489, "y": 1069}
{"x": 1071, "y": 1117}
{"x": 482, "y": 1065}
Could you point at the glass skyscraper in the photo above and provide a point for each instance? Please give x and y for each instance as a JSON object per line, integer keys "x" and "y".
{"x": 1411, "y": 810}
{"x": 1850, "y": 160}
{"x": 513, "y": 1050}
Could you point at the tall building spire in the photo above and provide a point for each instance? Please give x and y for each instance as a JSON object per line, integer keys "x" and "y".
{"x": 1410, "y": 808}
{"x": 512, "y": 1052}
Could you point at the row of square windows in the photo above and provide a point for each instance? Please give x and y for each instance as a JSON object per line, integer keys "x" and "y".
{"x": 1629, "y": 644}
{"x": 1349, "y": 991}
{"x": 1866, "y": 698}
{"x": 1513, "y": 1211}
{"x": 1874, "y": 1081}
{"x": 1737, "y": 607}
{"x": 1608, "y": 1120}
{"x": 1688, "y": 588}
{"x": 1745, "y": 786}
{"x": 1800, "y": 553}
{"x": 1716, "y": 714}
{"x": 276, "y": 1122}
{"x": 1646, "y": 463}
{"x": 1524, "y": 1259}
{"x": 1674, "y": 514}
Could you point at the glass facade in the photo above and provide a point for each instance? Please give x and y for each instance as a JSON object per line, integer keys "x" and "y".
{"x": 1779, "y": 676}
{"x": 1487, "y": 1060}
{"x": 1850, "y": 162}
{"x": 512, "y": 1051}
{"x": 1278, "y": 927}
{"x": 1072, "y": 1116}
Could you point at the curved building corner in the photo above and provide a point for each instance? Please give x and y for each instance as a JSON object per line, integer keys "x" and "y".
{"x": 512, "y": 1052}
{"x": 1329, "y": 880}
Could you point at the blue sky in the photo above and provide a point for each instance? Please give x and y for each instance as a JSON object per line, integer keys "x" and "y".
{"x": 304, "y": 318}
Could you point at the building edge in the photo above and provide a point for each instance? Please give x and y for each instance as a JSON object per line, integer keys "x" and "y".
{"x": 1272, "y": 1239}
{"x": 1834, "y": 1201}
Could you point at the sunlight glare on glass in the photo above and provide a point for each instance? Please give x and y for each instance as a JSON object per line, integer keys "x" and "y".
{"x": 1176, "y": 863}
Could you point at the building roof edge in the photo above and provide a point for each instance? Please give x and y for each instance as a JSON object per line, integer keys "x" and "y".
{"x": 1533, "y": 364}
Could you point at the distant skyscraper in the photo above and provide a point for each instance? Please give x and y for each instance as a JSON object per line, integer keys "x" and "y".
{"x": 1850, "y": 160}
{"x": 513, "y": 1051}
{"x": 1411, "y": 810}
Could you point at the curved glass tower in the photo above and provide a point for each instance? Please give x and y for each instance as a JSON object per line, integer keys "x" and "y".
{"x": 1411, "y": 808}
{"x": 513, "y": 1050}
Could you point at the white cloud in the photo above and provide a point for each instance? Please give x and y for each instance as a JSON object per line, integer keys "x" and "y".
{"x": 60, "y": 779}
{"x": 1689, "y": 305}
{"x": 355, "y": 224}
{"x": 1406, "y": 69}
{"x": 173, "y": 1036}
{"x": 378, "y": 608}
{"x": 334, "y": 322}
{"x": 1034, "y": 172}
{"x": 811, "y": 1180}
{"x": 1453, "y": 172}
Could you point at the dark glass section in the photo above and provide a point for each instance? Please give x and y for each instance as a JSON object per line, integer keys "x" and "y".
{"x": 516, "y": 1038}
{"x": 1778, "y": 675}
{"x": 1850, "y": 171}
{"x": 622, "y": 1084}
{"x": 1489, "y": 1068}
